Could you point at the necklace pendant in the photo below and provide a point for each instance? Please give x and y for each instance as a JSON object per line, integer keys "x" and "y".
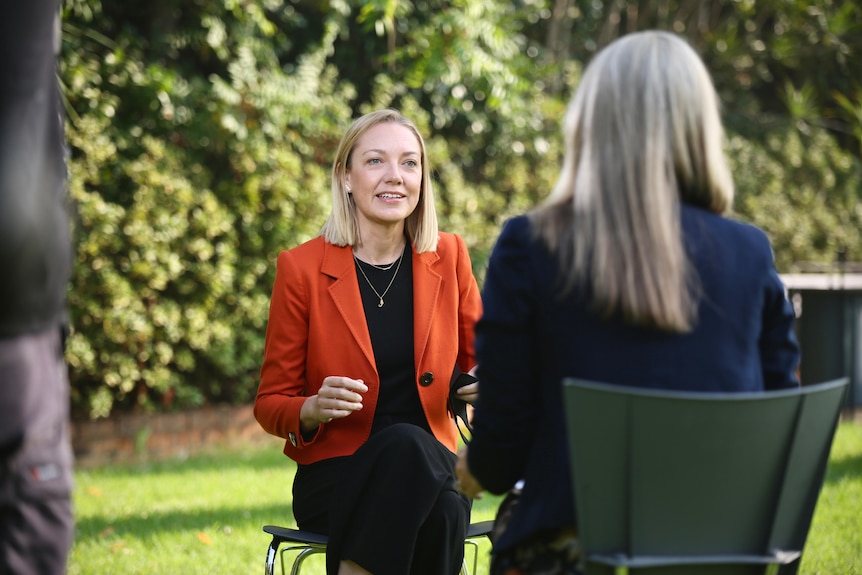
{"x": 379, "y": 295}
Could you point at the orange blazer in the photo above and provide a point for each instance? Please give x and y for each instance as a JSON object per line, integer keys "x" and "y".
{"x": 317, "y": 328}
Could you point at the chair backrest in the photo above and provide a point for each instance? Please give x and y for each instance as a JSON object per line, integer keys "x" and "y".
{"x": 676, "y": 476}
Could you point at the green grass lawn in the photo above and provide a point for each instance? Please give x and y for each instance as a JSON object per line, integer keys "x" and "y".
{"x": 204, "y": 515}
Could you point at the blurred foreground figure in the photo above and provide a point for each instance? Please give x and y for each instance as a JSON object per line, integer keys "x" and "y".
{"x": 36, "y": 521}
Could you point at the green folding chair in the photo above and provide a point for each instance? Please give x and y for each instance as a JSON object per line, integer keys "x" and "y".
{"x": 672, "y": 483}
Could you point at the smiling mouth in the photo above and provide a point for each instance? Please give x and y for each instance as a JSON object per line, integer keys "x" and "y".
{"x": 386, "y": 196}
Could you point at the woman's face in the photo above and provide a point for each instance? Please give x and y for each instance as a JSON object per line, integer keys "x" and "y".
{"x": 385, "y": 175}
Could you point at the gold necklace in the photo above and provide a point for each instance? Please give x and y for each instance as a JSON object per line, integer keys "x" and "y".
{"x": 371, "y": 285}
{"x": 385, "y": 268}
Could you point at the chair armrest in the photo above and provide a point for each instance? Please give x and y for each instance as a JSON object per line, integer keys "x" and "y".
{"x": 286, "y": 534}
{"x": 480, "y": 529}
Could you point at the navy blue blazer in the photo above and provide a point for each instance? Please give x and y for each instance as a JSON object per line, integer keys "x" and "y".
{"x": 530, "y": 338}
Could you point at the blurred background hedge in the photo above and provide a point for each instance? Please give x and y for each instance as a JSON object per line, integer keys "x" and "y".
{"x": 201, "y": 134}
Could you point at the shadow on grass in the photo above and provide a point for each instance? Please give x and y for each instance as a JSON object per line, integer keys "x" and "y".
{"x": 256, "y": 457}
{"x": 846, "y": 467}
{"x": 146, "y": 526}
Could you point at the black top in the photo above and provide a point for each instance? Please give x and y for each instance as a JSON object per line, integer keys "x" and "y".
{"x": 391, "y": 329}
{"x": 35, "y": 247}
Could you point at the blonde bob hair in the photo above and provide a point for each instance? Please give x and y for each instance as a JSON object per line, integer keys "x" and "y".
{"x": 342, "y": 227}
{"x": 642, "y": 134}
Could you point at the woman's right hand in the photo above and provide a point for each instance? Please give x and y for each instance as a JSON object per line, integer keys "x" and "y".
{"x": 337, "y": 397}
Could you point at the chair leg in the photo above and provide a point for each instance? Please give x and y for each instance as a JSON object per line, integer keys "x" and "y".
{"x": 475, "y": 546}
{"x": 269, "y": 568}
{"x": 305, "y": 551}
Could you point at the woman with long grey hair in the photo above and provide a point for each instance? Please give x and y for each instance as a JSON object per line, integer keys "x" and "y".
{"x": 630, "y": 273}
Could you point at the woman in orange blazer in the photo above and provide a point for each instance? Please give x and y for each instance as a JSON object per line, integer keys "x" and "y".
{"x": 367, "y": 323}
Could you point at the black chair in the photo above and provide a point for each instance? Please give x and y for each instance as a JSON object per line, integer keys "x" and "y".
{"x": 306, "y": 543}
{"x": 678, "y": 482}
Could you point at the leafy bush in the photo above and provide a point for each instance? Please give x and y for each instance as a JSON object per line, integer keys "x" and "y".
{"x": 804, "y": 191}
{"x": 201, "y": 136}
{"x": 186, "y": 188}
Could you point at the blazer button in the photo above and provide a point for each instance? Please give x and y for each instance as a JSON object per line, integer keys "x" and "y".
{"x": 292, "y": 438}
{"x": 426, "y": 378}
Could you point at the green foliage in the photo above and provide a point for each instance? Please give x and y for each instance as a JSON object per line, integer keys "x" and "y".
{"x": 201, "y": 136}
{"x": 804, "y": 191}
{"x": 755, "y": 51}
{"x": 186, "y": 189}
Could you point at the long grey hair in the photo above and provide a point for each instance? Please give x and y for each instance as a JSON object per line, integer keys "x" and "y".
{"x": 642, "y": 134}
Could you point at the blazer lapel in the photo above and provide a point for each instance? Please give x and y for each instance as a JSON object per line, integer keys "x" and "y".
{"x": 338, "y": 264}
{"x": 426, "y": 289}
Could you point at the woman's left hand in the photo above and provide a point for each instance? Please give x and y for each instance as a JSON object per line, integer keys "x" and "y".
{"x": 470, "y": 392}
{"x": 467, "y": 484}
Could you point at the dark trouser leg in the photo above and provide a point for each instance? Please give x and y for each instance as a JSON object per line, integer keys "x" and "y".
{"x": 36, "y": 521}
{"x": 445, "y": 522}
{"x": 391, "y": 487}
{"x": 35, "y": 537}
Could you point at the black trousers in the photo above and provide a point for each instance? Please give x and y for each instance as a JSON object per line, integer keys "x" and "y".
{"x": 392, "y": 507}
{"x": 36, "y": 522}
